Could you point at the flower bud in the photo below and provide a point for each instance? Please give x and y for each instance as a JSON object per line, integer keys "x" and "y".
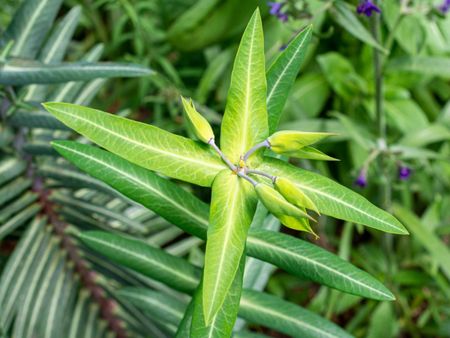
{"x": 289, "y": 140}
{"x": 288, "y": 214}
{"x": 198, "y": 123}
{"x": 293, "y": 194}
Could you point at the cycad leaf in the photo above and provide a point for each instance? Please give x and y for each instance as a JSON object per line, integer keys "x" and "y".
{"x": 157, "y": 304}
{"x": 143, "y": 144}
{"x": 298, "y": 257}
{"x": 335, "y": 200}
{"x": 282, "y": 73}
{"x": 245, "y": 119}
{"x": 30, "y": 26}
{"x": 233, "y": 204}
{"x": 22, "y": 72}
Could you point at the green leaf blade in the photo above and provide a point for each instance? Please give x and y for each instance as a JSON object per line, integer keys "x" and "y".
{"x": 282, "y": 73}
{"x": 335, "y": 200}
{"x": 23, "y": 72}
{"x": 304, "y": 259}
{"x": 136, "y": 255}
{"x": 143, "y": 144}
{"x": 245, "y": 119}
{"x": 233, "y": 204}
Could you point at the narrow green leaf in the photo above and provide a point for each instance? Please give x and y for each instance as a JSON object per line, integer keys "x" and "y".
{"x": 282, "y": 73}
{"x": 245, "y": 119}
{"x": 309, "y": 261}
{"x": 222, "y": 323}
{"x": 35, "y": 119}
{"x": 156, "y": 304}
{"x": 23, "y": 72}
{"x": 10, "y": 167}
{"x": 233, "y": 204}
{"x": 286, "y": 317}
{"x": 57, "y": 43}
{"x": 54, "y": 50}
{"x": 68, "y": 92}
{"x": 20, "y": 269}
{"x": 174, "y": 272}
{"x": 346, "y": 17}
{"x": 18, "y": 220}
{"x": 30, "y": 25}
{"x": 13, "y": 189}
{"x": 335, "y": 200}
{"x": 437, "y": 249}
{"x": 143, "y": 144}
{"x": 19, "y": 204}
{"x": 184, "y": 327}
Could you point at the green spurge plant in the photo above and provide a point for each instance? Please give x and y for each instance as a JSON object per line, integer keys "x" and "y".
{"x": 243, "y": 169}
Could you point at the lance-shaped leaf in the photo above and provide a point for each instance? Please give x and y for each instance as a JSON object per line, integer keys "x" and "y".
{"x": 245, "y": 121}
{"x": 173, "y": 272}
{"x": 286, "y": 317}
{"x": 233, "y": 204}
{"x": 333, "y": 199}
{"x": 222, "y": 323}
{"x": 282, "y": 73}
{"x": 143, "y": 144}
{"x": 23, "y": 72}
{"x": 30, "y": 25}
{"x": 170, "y": 201}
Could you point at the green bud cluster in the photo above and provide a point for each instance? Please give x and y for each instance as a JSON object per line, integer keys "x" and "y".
{"x": 282, "y": 198}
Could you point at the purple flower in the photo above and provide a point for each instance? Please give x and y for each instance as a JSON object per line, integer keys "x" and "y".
{"x": 361, "y": 180}
{"x": 404, "y": 172}
{"x": 366, "y": 7}
{"x": 275, "y": 10}
{"x": 444, "y": 7}
{"x": 275, "y": 7}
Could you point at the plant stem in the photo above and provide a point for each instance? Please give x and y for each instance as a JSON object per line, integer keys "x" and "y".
{"x": 380, "y": 116}
{"x": 222, "y": 155}
{"x": 261, "y": 173}
{"x": 245, "y": 177}
{"x": 263, "y": 144}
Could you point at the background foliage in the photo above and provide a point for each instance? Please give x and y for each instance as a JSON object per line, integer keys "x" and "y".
{"x": 49, "y": 275}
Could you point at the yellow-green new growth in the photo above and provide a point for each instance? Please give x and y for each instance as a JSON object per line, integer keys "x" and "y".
{"x": 293, "y": 194}
{"x": 200, "y": 126}
{"x": 290, "y": 215}
{"x": 287, "y": 141}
